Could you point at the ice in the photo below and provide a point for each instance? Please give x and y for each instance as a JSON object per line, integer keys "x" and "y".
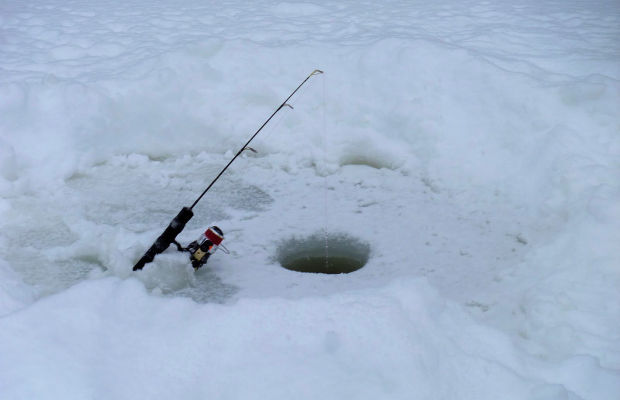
{"x": 472, "y": 145}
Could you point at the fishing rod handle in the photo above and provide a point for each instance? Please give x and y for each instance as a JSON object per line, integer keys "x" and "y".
{"x": 166, "y": 238}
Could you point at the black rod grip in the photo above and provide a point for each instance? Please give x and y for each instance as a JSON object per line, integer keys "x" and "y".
{"x": 165, "y": 239}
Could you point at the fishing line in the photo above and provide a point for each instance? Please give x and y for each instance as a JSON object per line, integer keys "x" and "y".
{"x": 325, "y": 172}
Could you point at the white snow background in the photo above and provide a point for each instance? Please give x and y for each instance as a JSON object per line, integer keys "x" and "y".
{"x": 474, "y": 146}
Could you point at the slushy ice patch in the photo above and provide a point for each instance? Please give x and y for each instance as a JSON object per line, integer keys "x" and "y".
{"x": 324, "y": 254}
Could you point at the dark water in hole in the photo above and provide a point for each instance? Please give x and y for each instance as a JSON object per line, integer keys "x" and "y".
{"x": 331, "y": 254}
{"x": 322, "y": 265}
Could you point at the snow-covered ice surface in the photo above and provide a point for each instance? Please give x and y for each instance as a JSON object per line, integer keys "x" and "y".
{"x": 474, "y": 146}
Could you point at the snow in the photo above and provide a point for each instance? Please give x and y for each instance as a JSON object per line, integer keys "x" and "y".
{"x": 474, "y": 146}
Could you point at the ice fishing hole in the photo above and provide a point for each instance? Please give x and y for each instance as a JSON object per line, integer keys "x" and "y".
{"x": 323, "y": 254}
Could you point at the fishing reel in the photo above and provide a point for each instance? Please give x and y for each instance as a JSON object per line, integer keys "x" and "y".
{"x": 207, "y": 243}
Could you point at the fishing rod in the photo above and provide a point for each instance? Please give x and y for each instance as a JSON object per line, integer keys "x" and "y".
{"x": 211, "y": 235}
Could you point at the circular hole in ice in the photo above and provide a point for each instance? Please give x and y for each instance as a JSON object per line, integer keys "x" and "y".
{"x": 323, "y": 254}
